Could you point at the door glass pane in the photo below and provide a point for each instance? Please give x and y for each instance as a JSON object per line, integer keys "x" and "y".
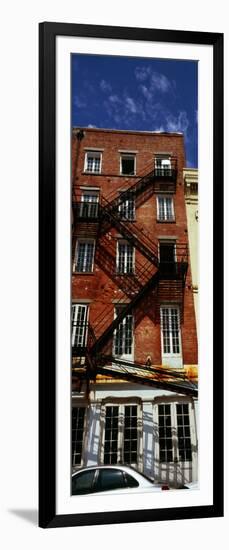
{"x": 165, "y": 433}
{"x": 110, "y": 479}
{"x": 111, "y": 435}
{"x": 183, "y": 432}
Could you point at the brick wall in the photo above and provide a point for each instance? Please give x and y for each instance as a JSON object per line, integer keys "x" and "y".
{"x": 101, "y": 287}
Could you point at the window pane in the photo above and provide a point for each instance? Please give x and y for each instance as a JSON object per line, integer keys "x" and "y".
{"x": 183, "y": 432}
{"x": 89, "y": 205}
{"x": 130, "y": 434}
{"x": 79, "y": 315}
{"x": 110, "y": 479}
{"x": 93, "y": 162}
{"x": 165, "y": 433}
{"x": 126, "y": 208}
{"x": 111, "y": 435}
{"x": 130, "y": 481}
{"x": 84, "y": 256}
{"x": 127, "y": 164}
{"x": 170, "y": 324}
{"x": 125, "y": 258}
{"x": 78, "y": 414}
{"x": 123, "y": 336}
{"x": 82, "y": 482}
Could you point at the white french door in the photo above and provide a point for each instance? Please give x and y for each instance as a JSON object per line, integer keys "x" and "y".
{"x": 176, "y": 442}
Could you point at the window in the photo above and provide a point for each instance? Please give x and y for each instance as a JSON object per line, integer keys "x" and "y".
{"x": 79, "y": 325}
{"x": 125, "y": 257}
{"x": 121, "y": 434}
{"x": 163, "y": 166}
{"x": 123, "y": 336}
{"x": 174, "y": 432}
{"x": 78, "y": 418}
{"x": 165, "y": 209}
{"x": 110, "y": 479}
{"x": 165, "y": 433}
{"x": 168, "y": 261}
{"x": 93, "y": 162}
{"x": 128, "y": 164}
{"x": 171, "y": 336}
{"x": 111, "y": 435}
{"x": 84, "y": 256}
{"x": 167, "y": 252}
{"x": 83, "y": 482}
{"x": 170, "y": 330}
{"x": 89, "y": 204}
{"x": 130, "y": 481}
{"x": 183, "y": 432}
{"x": 126, "y": 208}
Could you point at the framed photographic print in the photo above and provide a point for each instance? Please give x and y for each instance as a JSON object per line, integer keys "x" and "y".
{"x": 131, "y": 275}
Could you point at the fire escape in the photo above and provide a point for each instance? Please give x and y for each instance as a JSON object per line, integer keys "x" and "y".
{"x": 159, "y": 273}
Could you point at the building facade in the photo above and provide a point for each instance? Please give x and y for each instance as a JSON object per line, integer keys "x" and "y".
{"x": 134, "y": 343}
{"x": 191, "y": 201}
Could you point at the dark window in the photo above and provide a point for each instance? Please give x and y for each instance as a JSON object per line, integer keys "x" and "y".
{"x": 130, "y": 481}
{"x": 128, "y": 165}
{"x": 167, "y": 252}
{"x": 82, "y": 483}
{"x": 110, "y": 479}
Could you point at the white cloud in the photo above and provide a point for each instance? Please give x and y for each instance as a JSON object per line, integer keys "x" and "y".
{"x": 160, "y": 82}
{"x": 160, "y": 129}
{"x": 131, "y": 105}
{"x": 91, "y": 126}
{"x": 114, "y": 99}
{"x": 105, "y": 86}
{"x": 146, "y": 92}
{"x": 153, "y": 82}
{"x": 179, "y": 123}
{"x": 142, "y": 73}
{"x": 78, "y": 102}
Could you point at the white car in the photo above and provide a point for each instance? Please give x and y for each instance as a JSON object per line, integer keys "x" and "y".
{"x": 191, "y": 485}
{"x": 112, "y": 479}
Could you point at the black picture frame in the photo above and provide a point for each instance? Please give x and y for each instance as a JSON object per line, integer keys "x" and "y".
{"x": 48, "y": 31}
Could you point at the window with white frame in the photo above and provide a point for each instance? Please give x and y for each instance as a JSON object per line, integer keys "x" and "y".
{"x": 121, "y": 440}
{"x": 170, "y": 331}
{"x": 84, "y": 256}
{"x": 127, "y": 164}
{"x": 163, "y": 165}
{"x": 125, "y": 257}
{"x": 79, "y": 324}
{"x": 165, "y": 209}
{"x": 89, "y": 204}
{"x": 123, "y": 336}
{"x": 126, "y": 208}
{"x": 78, "y": 424}
{"x": 174, "y": 432}
{"x": 93, "y": 161}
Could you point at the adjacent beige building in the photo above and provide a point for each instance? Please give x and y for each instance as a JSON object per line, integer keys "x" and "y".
{"x": 191, "y": 201}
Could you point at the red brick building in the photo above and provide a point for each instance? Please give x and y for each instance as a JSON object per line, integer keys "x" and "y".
{"x": 134, "y": 342}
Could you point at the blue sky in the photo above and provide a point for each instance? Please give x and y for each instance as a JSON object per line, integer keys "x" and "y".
{"x": 131, "y": 93}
